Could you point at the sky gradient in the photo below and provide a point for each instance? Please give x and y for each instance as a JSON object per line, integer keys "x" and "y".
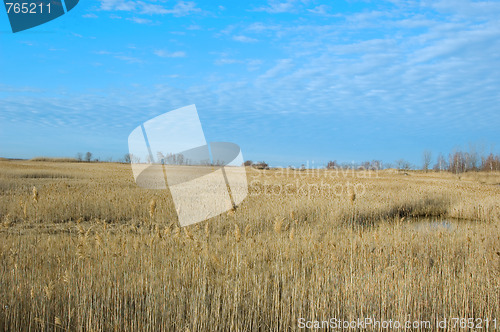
{"x": 291, "y": 81}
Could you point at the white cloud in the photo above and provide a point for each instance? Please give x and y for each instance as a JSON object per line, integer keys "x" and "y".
{"x": 429, "y": 69}
{"x": 320, "y": 10}
{"x": 165, "y": 54}
{"x": 363, "y": 47}
{"x": 193, "y": 27}
{"x": 244, "y": 39}
{"x": 260, "y": 27}
{"x": 139, "y": 20}
{"x": 120, "y": 5}
{"x": 254, "y": 64}
{"x": 475, "y": 10}
{"x": 275, "y": 6}
{"x": 462, "y": 44}
{"x": 227, "y": 61}
{"x": 128, "y": 59}
{"x": 91, "y": 15}
{"x": 147, "y": 8}
{"x": 181, "y": 8}
{"x": 251, "y": 64}
{"x": 282, "y": 66}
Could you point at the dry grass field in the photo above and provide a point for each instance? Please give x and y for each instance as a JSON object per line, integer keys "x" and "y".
{"x": 87, "y": 250}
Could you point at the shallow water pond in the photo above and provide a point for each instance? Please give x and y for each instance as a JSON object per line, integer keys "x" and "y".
{"x": 432, "y": 225}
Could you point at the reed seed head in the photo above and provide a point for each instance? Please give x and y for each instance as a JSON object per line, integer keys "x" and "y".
{"x": 188, "y": 234}
{"x": 247, "y": 230}
{"x": 237, "y": 233}
{"x": 278, "y": 225}
{"x": 152, "y": 208}
{"x": 352, "y": 197}
{"x": 35, "y": 194}
{"x": 207, "y": 230}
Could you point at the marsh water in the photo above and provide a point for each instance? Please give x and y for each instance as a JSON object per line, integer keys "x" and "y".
{"x": 432, "y": 225}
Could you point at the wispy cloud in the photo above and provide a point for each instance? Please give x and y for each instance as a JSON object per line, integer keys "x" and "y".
{"x": 416, "y": 70}
{"x": 165, "y": 54}
{"x": 320, "y": 10}
{"x": 476, "y": 10}
{"x": 128, "y": 59}
{"x": 275, "y": 6}
{"x": 251, "y": 64}
{"x": 282, "y": 66}
{"x": 90, "y": 15}
{"x": 148, "y": 8}
{"x": 139, "y": 20}
{"x": 28, "y": 43}
{"x": 181, "y": 8}
{"x": 244, "y": 39}
{"x": 193, "y": 27}
{"x": 118, "y": 5}
{"x": 227, "y": 61}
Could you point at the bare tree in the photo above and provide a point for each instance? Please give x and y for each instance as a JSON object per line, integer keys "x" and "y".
{"x": 457, "y": 162}
{"x": 365, "y": 165}
{"x": 491, "y": 163}
{"x": 160, "y": 157}
{"x": 377, "y": 165}
{"x": 180, "y": 159}
{"x": 332, "y": 164}
{"x": 403, "y": 164}
{"x": 79, "y": 156}
{"x": 426, "y": 160}
{"x": 88, "y": 157}
{"x": 127, "y": 158}
{"x": 440, "y": 163}
{"x": 473, "y": 157}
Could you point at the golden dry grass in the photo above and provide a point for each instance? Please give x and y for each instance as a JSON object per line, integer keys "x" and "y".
{"x": 93, "y": 252}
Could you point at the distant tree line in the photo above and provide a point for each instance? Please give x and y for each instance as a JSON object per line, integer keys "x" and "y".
{"x": 462, "y": 161}
{"x": 87, "y": 157}
{"x": 178, "y": 159}
{"x": 456, "y": 162}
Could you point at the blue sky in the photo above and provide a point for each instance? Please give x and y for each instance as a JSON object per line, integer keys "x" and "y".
{"x": 289, "y": 81}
